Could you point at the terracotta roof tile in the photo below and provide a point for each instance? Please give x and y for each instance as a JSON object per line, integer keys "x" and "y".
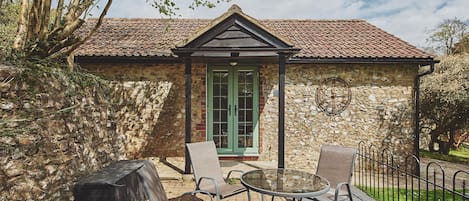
{"x": 315, "y": 38}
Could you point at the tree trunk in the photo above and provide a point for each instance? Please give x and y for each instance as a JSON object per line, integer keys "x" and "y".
{"x": 44, "y": 27}
{"x": 433, "y": 141}
{"x": 21, "y": 30}
{"x": 452, "y": 135}
{"x": 445, "y": 147}
{"x": 34, "y": 21}
{"x": 445, "y": 143}
{"x": 431, "y": 146}
{"x": 58, "y": 14}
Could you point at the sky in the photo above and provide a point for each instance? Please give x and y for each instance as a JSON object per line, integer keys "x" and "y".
{"x": 410, "y": 20}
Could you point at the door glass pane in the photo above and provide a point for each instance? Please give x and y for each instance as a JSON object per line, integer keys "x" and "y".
{"x": 245, "y": 108}
{"x": 248, "y": 116}
{"x": 224, "y": 116}
{"x": 216, "y": 103}
{"x": 216, "y": 118}
{"x": 220, "y": 109}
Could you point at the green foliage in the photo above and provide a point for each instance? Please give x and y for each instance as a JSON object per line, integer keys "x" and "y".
{"x": 445, "y": 101}
{"x": 170, "y": 8}
{"x": 447, "y": 33}
{"x": 204, "y": 3}
{"x": 455, "y": 156}
{"x": 395, "y": 193}
{"x": 461, "y": 153}
{"x": 450, "y": 81}
{"x": 65, "y": 88}
{"x": 8, "y": 19}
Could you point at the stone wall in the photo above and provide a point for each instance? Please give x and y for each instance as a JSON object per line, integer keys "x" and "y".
{"x": 57, "y": 126}
{"x": 161, "y": 98}
{"x": 381, "y": 111}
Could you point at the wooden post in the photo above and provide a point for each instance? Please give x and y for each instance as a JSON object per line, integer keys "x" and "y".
{"x": 281, "y": 110}
{"x": 188, "y": 108}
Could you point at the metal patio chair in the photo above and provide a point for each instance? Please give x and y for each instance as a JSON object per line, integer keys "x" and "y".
{"x": 208, "y": 174}
{"x": 154, "y": 189}
{"x": 336, "y": 165}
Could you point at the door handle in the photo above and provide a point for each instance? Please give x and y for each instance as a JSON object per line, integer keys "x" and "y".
{"x": 229, "y": 110}
{"x": 236, "y": 110}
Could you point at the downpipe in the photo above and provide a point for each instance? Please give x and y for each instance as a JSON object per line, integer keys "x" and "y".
{"x": 417, "y": 113}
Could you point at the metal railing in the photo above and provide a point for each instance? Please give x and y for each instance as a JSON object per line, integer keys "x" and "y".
{"x": 387, "y": 177}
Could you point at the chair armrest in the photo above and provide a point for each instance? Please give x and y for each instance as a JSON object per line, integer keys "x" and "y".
{"x": 215, "y": 183}
{"x": 229, "y": 173}
{"x": 195, "y": 192}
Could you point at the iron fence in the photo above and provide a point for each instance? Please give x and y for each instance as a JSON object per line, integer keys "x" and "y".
{"x": 386, "y": 177}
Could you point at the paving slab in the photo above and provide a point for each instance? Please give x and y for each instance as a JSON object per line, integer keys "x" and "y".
{"x": 164, "y": 171}
{"x": 175, "y": 183}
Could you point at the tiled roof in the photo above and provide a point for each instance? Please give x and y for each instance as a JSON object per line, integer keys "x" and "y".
{"x": 315, "y": 38}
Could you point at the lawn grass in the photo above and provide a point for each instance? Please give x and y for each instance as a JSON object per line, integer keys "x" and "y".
{"x": 399, "y": 194}
{"x": 461, "y": 153}
{"x": 455, "y": 156}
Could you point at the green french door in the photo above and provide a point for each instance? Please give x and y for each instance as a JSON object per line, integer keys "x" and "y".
{"x": 232, "y": 108}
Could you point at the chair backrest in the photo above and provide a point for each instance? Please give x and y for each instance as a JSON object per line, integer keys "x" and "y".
{"x": 336, "y": 164}
{"x": 205, "y": 162}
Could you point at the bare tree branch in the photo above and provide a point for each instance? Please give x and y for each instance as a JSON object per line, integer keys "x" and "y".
{"x": 92, "y": 31}
{"x": 47, "y": 33}
{"x": 447, "y": 33}
{"x": 58, "y": 14}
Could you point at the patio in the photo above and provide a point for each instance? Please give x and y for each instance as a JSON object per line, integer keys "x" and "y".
{"x": 176, "y": 183}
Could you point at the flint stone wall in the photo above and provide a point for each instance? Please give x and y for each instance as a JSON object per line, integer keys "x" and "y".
{"x": 57, "y": 127}
{"x": 381, "y": 111}
{"x": 165, "y": 135}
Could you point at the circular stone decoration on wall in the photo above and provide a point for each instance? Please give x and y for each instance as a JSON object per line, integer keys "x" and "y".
{"x": 333, "y": 95}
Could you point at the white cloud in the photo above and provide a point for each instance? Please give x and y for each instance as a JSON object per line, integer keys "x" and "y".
{"x": 407, "y": 19}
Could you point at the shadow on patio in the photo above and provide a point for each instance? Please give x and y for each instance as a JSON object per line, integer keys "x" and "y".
{"x": 175, "y": 183}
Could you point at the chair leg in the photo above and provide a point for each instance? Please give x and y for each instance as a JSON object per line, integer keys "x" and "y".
{"x": 349, "y": 192}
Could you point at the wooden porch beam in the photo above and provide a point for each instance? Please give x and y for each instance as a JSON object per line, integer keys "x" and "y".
{"x": 281, "y": 110}
{"x": 188, "y": 110}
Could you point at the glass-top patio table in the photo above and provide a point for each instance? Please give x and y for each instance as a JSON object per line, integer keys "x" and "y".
{"x": 285, "y": 183}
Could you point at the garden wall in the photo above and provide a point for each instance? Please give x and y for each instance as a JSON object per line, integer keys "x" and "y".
{"x": 57, "y": 127}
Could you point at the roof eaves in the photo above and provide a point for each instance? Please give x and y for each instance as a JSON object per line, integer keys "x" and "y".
{"x": 127, "y": 59}
{"x": 363, "y": 60}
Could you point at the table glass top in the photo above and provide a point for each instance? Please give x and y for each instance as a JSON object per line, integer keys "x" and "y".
{"x": 285, "y": 181}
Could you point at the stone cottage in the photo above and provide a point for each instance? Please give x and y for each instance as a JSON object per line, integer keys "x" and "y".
{"x": 271, "y": 90}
